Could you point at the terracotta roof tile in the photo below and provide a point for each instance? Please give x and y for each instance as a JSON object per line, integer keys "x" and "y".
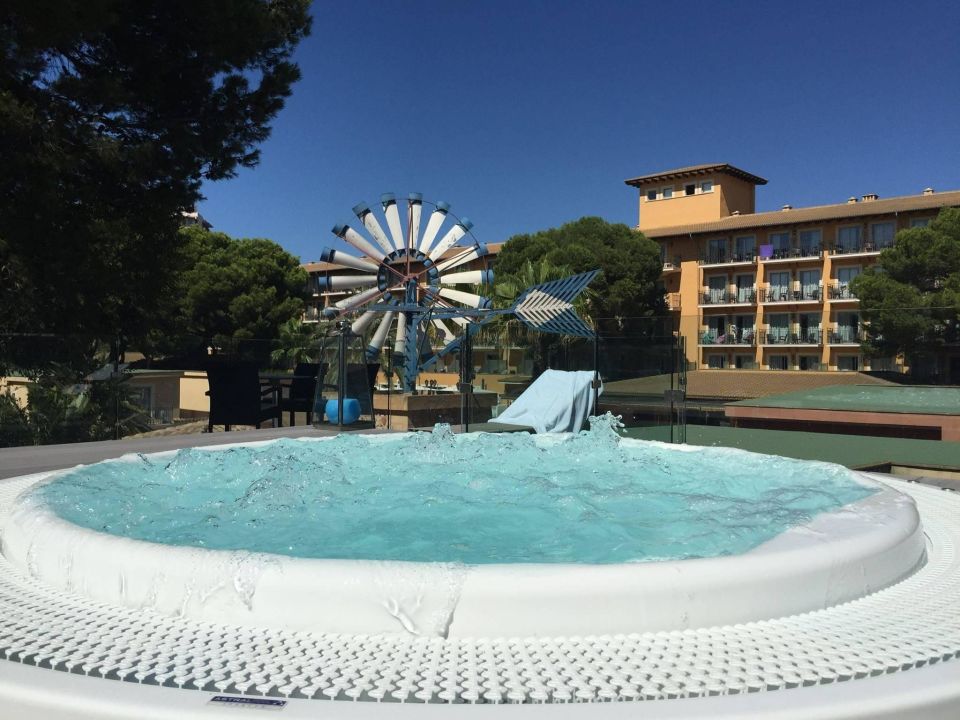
{"x": 813, "y": 214}
{"x": 693, "y": 170}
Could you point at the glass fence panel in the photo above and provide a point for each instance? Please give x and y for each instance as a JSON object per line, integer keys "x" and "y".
{"x": 658, "y": 372}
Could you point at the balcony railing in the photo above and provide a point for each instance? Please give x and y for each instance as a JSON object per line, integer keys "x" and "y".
{"x": 731, "y": 337}
{"x": 795, "y": 252}
{"x": 721, "y": 257}
{"x": 673, "y": 301}
{"x": 780, "y": 294}
{"x": 847, "y": 336}
{"x": 841, "y": 291}
{"x": 725, "y": 297}
{"x": 783, "y": 337}
{"x": 862, "y": 247}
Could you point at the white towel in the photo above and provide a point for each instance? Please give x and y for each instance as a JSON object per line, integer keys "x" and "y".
{"x": 557, "y": 401}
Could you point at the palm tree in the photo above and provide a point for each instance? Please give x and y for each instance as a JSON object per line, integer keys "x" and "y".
{"x": 509, "y": 330}
{"x": 297, "y": 342}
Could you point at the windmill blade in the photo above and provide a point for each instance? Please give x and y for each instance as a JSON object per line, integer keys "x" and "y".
{"x": 468, "y": 299}
{"x": 351, "y": 236}
{"x": 433, "y": 226}
{"x": 373, "y": 349}
{"x": 370, "y": 222}
{"x": 326, "y": 283}
{"x": 401, "y": 339}
{"x": 478, "y": 251}
{"x": 548, "y": 307}
{"x": 458, "y": 319}
{"x": 351, "y": 302}
{"x": 415, "y": 207}
{"x": 451, "y": 238}
{"x": 336, "y": 257}
{"x": 388, "y": 201}
{"x": 470, "y": 277}
{"x": 360, "y": 325}
{"x": 446, "y": 334}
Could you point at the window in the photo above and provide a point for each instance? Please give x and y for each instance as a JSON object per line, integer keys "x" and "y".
{"x": 717, "y": 288}
{"x": 810, "y": 242}
{"x": 690, "y": 189}
{"x": 742, "y": 328}
{"x": 717, "y": 329}
{"x": 651, "y": 195}
{"x": 810, "y": 284}
{"x": 779, "y": 286}
{"x": 809, "y": 326}
{"x": 919, "y": 222}
{"x": 778, "y": 362}
{"x": 706, "y": 186}
{"x": 849, "y": 239}
{"x": 844, "y": 276}
{"x": 744, "y": 362}
{"x": 717, "y": 250}
{"x": 848, "y": 327}
{"x": 667, "y": 192}
{"x": 778, "y": 328}
{"x": 881, "y": 234}
{"x": 809, "y": 362}
{"x": 746, "y": 247}
{"x": 745, "y": 292}
{"x": 716, "y": 362}
{"x": 780, "y": 242}
{"x": 850, "y": 363}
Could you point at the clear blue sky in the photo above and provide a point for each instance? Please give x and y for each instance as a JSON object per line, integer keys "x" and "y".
{"x": 524, "y": 115}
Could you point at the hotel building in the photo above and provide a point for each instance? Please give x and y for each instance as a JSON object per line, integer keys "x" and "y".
{"x": 769, "y": 290}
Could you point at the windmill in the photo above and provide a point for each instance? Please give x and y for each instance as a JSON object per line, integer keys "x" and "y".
{"x": 410, "y": 278}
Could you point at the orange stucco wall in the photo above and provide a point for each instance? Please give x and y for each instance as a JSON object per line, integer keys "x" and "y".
{"x": 692, "y": 280}
{"x": 729, "y": 194}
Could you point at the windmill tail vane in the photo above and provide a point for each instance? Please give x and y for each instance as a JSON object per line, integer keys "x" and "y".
{"x": 548, "y": 307}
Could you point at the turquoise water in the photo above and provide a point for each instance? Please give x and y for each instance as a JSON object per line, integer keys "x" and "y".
{"x": 469, "y": 498}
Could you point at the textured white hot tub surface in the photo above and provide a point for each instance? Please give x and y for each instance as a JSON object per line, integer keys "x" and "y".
{"x": 891, "y": 653}
{"x": 835, "y": 558}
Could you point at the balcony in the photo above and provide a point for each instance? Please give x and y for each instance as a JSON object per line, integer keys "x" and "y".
{"x": 847, "y": 336}
{"x": 673, "y": 265}
{"x": 725, "y": 258}
{"x": 863, "y": 248}
{"x": 841, "y": 291}
{"x": 782, "y": 294}
{"x": 743, "y": 296}
{"x": 782, "y": 337}
{"x": 741, "y": 338}
{"x": 793, "y": 253}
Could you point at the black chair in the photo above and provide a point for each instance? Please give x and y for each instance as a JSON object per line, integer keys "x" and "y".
{"x": 236, "y": 397}
{"x": 363, "y": 376}
{"x": 302, "y": 390}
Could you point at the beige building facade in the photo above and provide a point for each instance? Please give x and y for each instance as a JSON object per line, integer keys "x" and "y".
{"x": 769, "y": 290}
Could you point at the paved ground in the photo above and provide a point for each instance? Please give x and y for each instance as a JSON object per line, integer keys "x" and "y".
{"x": 26, "y": 460}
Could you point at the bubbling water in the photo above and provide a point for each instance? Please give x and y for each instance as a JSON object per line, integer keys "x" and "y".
{"x": 592, "y": 497}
